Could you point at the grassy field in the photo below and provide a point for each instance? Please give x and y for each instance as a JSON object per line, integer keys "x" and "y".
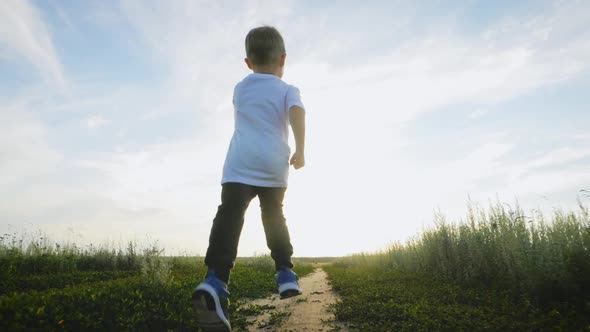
{"x": 498, "y": 270}
{"x": 46, "y": 288}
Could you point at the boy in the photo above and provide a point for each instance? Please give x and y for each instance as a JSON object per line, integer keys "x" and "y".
{"x": 257, "y": 164}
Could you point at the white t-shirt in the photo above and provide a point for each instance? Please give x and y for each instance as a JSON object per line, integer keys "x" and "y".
{"x": 259, "y": 151}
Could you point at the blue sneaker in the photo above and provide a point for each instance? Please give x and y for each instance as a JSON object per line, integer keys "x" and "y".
{"x": 210, "y": 302}
{"x": 287, "y": 282}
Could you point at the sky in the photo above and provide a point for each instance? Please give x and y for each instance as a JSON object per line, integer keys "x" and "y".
{"x": 115, "y": 116}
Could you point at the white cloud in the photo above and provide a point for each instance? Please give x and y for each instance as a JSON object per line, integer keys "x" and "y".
{"x": 170, "y": 190}
{"x": 95, "y": 121}
{"x": 24, "y": 34}
{"x": 200, "y": 44}
{"x": 559, "y": 156}
{"x": 158, "y": 175}
{"x": 430, "y": 75}
{"x": 24, "y": 152}
{"x": 479, "y": 113}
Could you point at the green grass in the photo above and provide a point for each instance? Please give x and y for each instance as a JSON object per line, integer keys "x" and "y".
{"x": 374, "y": 299}
{"x": 503, "y": 248}
{"x": 62, "y": 287}
{"x": 501, "y": 268}
{"x": 58, "y": 280}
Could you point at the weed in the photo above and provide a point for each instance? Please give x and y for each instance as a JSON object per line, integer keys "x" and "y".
{"x": 276, "y": 319}
{"x": 255, "y": 309}
{"x": 154, "y": 268}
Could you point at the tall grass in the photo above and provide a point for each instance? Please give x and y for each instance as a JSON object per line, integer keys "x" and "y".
{"x": 19, "y": 256}
{"x": 503, "y": 248}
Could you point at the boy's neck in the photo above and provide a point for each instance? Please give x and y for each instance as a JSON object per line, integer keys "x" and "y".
{"x": 270, "y": 70}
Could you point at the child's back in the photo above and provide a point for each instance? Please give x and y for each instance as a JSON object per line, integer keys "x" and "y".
{"x": 257, "y": 164}
{"x": 259, "y": 152}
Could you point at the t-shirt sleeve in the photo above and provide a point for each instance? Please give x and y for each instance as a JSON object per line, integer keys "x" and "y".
{"x": 233, "y": 98}
{"x": 294, "y": 98}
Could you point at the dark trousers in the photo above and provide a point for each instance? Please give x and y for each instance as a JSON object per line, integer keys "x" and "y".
{"x": 227, "y": 226}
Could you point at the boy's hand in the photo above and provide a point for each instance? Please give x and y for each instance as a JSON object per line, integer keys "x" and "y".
{"x": 298, "y": 160}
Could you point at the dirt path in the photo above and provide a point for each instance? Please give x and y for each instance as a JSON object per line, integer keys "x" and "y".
{"x": 307, "y": 312}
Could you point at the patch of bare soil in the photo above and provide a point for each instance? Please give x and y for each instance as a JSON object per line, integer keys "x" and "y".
{"x": 306, "y": 312}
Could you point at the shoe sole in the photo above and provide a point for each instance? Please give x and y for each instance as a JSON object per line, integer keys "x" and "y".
{"x": 290, "y": 293}
{"x": 208, "y": 311}
{"x": 289, "y": 289}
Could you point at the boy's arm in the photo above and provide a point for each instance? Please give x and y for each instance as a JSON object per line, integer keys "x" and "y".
{"x": 297, "y": 120}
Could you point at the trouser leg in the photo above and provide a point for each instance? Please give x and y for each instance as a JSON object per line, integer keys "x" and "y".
{"x": 275, "y": 226}
{"x": 226, "y": 229}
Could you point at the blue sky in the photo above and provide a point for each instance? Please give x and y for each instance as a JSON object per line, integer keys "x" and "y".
{"x": 116, "y": 116}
